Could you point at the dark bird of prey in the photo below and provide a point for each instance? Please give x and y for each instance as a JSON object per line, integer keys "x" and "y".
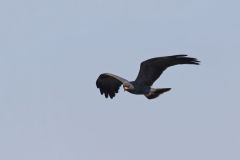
{"x": 150, "y": 71}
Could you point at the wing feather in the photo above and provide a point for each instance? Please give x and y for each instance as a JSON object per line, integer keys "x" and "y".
{"x": 151, "y": 69}
{"x": 109, "y": 84}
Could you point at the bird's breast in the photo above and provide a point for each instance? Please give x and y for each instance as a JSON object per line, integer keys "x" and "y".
{"x": 140, "y": 90}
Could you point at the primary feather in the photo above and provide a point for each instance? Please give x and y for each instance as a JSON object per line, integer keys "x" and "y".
{"x": 109, "y": 84}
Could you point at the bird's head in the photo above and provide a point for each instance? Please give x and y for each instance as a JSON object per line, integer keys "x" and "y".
{"x": 127, "y": 86}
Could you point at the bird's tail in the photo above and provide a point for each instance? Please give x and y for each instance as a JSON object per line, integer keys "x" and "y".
{"x": 155, "y": 92}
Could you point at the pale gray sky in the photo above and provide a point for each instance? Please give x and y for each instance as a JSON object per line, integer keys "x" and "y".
{"x": 52, "y": 51}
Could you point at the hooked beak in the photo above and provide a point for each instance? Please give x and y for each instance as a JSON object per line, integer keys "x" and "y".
{"x": 125, "y": 88}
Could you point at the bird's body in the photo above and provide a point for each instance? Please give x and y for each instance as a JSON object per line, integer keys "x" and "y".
{"x": 150, "y": 71}
{"x": 139, "y": 89}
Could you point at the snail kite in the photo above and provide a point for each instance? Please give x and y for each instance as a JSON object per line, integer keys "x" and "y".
{"x": 150, "y": 71}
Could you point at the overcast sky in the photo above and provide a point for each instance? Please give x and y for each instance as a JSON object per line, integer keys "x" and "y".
{"x": 52, "y": 51}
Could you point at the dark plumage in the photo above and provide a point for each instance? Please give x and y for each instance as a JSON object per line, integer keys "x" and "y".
{"x": 150, "y": 71}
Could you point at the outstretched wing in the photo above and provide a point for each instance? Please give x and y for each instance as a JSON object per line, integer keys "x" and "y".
{"x": 151, "y": 69}
{"x": 109, "y": 84}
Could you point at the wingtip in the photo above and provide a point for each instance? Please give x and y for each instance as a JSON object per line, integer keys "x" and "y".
{"x": 196, "y": 61}
{"x": 191, "y": 60}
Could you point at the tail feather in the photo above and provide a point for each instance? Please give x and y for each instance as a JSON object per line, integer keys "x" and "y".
{"x": 154, "y": 93}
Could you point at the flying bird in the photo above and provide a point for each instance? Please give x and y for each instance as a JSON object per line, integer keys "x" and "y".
{"x": 150, "y": 71}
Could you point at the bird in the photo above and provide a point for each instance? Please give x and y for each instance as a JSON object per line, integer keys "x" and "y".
{"x": 150, "y": 71}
